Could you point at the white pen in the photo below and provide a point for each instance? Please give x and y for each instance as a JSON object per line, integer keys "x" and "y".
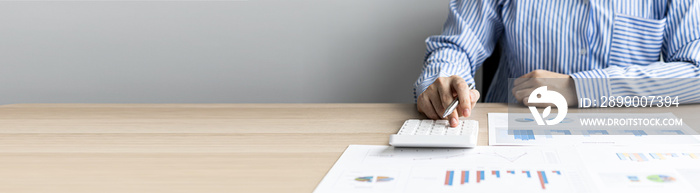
{"x": 453, "y": 105}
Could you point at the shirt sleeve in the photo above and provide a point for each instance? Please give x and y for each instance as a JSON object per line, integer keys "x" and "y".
{"x": 628, "y": 75}
{"x": 468, "y": 38}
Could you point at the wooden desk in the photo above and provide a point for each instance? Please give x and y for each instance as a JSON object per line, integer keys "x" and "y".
{"x": 190, "y": 147}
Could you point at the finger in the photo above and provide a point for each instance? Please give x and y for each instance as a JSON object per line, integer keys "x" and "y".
{"x": 520, "y": 81}
{"x": 420, "y": 103}
{"x": 454, "y": 119}
{"x": 462, "y": 89}
{"x": 475, "y": 95}
{"x": 429, "y": 111}
{"x": 422, "y": 100}
{"x": 468, "y": 102}
{"x": 426, "y": 107}
{"x": 445, "y": 96}
{"x": 521, "y": 94}
{"x": 518, "y": 96}
{"x": 526, "y": 101}
{"x": 436, "y": 105}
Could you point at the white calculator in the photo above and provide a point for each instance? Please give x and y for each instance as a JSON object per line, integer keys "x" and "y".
{"x": 436, "y": 133}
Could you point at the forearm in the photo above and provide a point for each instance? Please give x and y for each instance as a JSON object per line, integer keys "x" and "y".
{"x": 674, "y": 79}
{"x": 443, "y": 63}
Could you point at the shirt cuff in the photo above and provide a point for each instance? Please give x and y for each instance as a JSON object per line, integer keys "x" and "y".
{"x": 422, "y": 85}
{"x": 591, "y": 84}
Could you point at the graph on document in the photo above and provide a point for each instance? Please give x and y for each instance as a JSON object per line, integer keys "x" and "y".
{"x": 461, "y": 177}
{"x": 645, "y": 157}
{"x": 530, "y": 134}
{"x": 493, "y": 155}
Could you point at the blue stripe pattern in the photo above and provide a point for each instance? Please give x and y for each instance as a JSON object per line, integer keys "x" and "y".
{"x": 609, "y": 48}
{"x": 635, "y": 41}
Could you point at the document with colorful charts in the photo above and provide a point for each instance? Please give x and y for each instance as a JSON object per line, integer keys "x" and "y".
{"x": 364, "y": 168}
{"x": 521, "y": 129}
{"x": 643, "y": 168}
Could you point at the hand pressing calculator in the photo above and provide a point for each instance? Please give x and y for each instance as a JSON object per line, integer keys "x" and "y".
{"x": 435, "y": 133}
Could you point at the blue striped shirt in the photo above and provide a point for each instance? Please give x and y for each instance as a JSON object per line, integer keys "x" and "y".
{"x": 609, "y": 47}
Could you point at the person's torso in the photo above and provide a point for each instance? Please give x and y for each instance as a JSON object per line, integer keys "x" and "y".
{"x": 573, "y": 36}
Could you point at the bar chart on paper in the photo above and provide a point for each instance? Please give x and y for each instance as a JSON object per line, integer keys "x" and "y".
{"x": 664, "y": 155}
{"x": 461, "y": 177}
{"x": 492, "y": 180}
{"x": 644, "y": 157}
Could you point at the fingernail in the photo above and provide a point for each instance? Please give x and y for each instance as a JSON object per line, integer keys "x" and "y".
{"x": 454, "y": 121}
{"x": 466, "y": 112}
{"x": 469, "y": 112}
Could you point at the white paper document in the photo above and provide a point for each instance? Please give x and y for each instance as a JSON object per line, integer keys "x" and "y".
{"x": 524, "y": 131}
{"x": 643, "y": 168}
{"x": 484, "y": 169}
{"x": 364, "y": 168}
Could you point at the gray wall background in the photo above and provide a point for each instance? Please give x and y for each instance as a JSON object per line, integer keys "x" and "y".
{"x": 214, "y": 52}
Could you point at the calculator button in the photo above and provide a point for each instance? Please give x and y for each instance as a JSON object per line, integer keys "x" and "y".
{"x": 442, "y": 122}
{"x": 439, "y": 128}
{"x": 413, "y": 121}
